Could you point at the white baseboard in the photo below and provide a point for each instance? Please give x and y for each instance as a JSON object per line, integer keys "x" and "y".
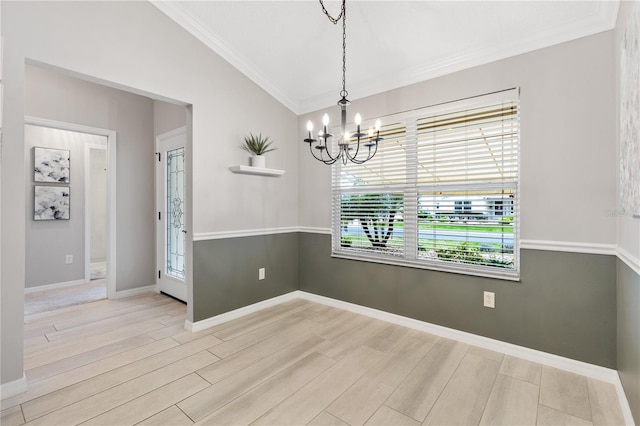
{"x": 579, "y": 367}
{"x": 624, "y": 403}
{"x": 567, "y": 364}
{"x": 237, "y": 313}
{"x": 574, "y": 366}
{"x": 585, "y": 369}
{"x": 16, "y": 387}
{"x": 135, "y": 291}
{"x": 53, "y": 286}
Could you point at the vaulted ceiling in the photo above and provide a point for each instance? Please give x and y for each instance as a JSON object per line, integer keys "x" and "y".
{"x": 292, "y": 51}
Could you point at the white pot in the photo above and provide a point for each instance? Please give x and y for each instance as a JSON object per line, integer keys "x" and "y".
{"x": 257, "y": 161}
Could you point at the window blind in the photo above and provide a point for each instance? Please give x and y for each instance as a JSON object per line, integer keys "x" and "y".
{"x": 442, "y": 191}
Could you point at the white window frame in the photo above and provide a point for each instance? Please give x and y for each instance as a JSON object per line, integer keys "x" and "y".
{"x": 412, "y": 189}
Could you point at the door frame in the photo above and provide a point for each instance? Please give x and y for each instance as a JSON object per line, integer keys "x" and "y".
{"x": 87, "y": 205}
{"x": 111, "y": 189}
{"x": 160, "y": 235}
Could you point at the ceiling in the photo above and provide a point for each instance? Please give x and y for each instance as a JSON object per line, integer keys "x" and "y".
{"x": 292, "y": 51}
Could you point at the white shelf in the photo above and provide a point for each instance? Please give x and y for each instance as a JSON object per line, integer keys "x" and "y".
{"x": 248, "y": 170}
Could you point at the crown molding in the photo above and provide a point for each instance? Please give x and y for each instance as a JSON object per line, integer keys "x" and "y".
{"x": 603, "y": 19}
{"x": 179, "y": 15}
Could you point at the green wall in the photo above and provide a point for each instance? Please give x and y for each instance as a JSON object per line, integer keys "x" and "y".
{"x": 628, "y": 365}
{"x": 225, "y": 272}
{"x": 565, "y": 303}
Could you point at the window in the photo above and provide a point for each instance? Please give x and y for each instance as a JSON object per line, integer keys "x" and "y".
{"x": 441, "y": 193}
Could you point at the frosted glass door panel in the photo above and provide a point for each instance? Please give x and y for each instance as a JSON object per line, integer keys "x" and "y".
{"x": 175, "y": 213}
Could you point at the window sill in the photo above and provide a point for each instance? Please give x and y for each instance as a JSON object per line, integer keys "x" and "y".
{"x": 432, "y": 266}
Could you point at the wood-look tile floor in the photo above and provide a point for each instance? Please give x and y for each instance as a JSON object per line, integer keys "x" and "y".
{"x": 129, "y": 361}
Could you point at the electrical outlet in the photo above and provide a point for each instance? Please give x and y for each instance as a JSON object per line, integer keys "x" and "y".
{"x": 489, "y": 299}
{"x": 261, "y": 274}
{"x": 68, "y": 259}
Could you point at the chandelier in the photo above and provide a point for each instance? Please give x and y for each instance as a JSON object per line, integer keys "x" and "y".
{"x": 367, "y": 141}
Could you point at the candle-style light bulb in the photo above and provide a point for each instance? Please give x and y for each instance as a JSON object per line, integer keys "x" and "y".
{"x": 358, "y": 119}
{"x": 378, "y": 124}
{"x": 370, "y": 132}
{"x": 325, "y": 119}
{"x": 347, "y": 137}
{"x": 309, "y": 129}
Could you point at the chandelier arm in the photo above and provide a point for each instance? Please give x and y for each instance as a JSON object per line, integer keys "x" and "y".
{"x": 357, "y": 149}
{"x": 353, "y": 159}
{"x": 316, "y": 157}
{"x": 329, "y": 154}
{"x": 321, "y": 158}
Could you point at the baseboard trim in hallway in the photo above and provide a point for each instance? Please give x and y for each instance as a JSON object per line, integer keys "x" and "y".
{"x": 15, "y": 387}
{"x": 54, "y": 286}
{"x": 574, "y": 366}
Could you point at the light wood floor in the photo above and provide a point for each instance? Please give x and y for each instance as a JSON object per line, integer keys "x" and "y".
{"x": 129, "y": 361}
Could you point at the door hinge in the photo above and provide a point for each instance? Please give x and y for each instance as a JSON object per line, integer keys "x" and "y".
{"x": 158, "y": 274}
{"x": 159, "y": 216}
{"x": 159, "y": 156}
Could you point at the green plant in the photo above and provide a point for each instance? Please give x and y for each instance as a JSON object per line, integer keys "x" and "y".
{"x": 499, "y": 261}
{"x": 462, "y": 253}
{"x": 257, "y": 145}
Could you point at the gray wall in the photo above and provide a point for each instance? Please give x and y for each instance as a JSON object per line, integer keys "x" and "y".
{"x": 628, "y": 343}
{"x": 226, "y": 271}
{"x": 54, "y": 96}
{"x": 134, "y": 45}
{"x": 167, "y": 117}
{"x": 49, "y": 241}
{"x": 565, "y": 303}
{"x": 567, "y": 164}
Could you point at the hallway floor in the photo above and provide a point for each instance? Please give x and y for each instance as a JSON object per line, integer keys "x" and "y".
{"x": 59, "y": 298}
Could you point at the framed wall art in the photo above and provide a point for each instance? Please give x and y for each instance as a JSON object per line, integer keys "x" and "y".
{"x": 51, "y": 165}
{"x": 51, "y": 203}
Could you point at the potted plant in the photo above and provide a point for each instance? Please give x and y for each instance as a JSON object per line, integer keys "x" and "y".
{"x": 257, "y": 146}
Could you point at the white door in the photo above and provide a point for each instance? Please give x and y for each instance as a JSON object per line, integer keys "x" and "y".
{"x": 170, "y": 196}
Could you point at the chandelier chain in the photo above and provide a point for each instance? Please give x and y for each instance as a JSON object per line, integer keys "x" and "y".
{"x": 344, "y": 93}
{"x": 368, "y": 140}
{"x": 343, "y": 16}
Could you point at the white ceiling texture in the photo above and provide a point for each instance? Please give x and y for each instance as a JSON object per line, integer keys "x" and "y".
{"x": 292, "y": 51}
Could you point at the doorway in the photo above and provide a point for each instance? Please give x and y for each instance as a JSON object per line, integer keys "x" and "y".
{"x": 59, "y": 244}
{"x": 171, "y": 204}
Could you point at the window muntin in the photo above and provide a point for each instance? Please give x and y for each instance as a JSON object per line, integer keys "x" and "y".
{"x": 449, "y": 177}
